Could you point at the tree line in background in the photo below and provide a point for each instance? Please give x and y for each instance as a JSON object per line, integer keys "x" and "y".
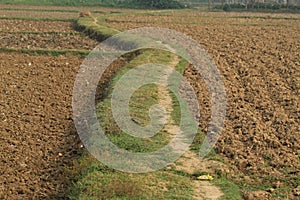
{"x": 226, "y": 5}
{"x": 142, "y": 4}
{"x": 256, "y": 5}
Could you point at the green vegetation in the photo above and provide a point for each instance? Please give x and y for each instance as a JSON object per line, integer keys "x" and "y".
{"x": 257, "y": 6}
{"x": 140, "y": 103}
{"x": 39, "y": 10}
{"x": 37, "y": 19}
{"x": 96, "y": 181}
{"x": 144, "y": 4}
{"x": 82, "y": 53}
{"x": 157, "y": 4}
{"x": 92, "y": 28}
{"x": 38, "y": 32}
{"x": 231, "y": 190}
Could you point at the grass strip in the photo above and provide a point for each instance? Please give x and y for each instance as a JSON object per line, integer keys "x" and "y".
{"x": 37, "y": 19}
{"x": 38, "y": 32}
{"x": 39, "y": 10}
{"x": 139, "y": 106}
{"x": 96, "y": 181}
{"x": 47, "y": 52}
{"x": 89, "y": 26}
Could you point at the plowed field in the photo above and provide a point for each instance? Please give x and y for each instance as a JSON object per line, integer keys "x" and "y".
{"x": 56, "y": 41}
{"x": 13, "y": 25}
{"x": 258, "y": 57}
{"x": 36, "y": 124}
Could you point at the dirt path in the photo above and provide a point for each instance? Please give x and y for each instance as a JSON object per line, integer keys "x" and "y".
{"x": 190, "y": 162}
{"x": 96, "y": 23}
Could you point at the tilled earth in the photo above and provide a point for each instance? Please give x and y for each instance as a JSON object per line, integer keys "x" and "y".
{"x": 35, "y": 109}
{"x": 23, "y": 34}
{"x": 55, "y": 41}
{"x": 36, "y": 124}
{"x": 38, "y": 14}
{"x": 261, "y": 71}
{"x": 38, "y": 138}
{"x": 15, "y": 25}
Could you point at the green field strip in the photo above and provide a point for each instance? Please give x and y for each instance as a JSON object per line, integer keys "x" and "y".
{"x": 37, "y": 19}
{"x": 39, "y": 10}
{"x": 90, "y": 26}
{"x": 39, "y": 32}
{"x": 46, "y": 51}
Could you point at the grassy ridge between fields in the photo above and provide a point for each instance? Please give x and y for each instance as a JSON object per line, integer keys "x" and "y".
{"x": 94, "y": 180}
{"x": 94, "y": 28}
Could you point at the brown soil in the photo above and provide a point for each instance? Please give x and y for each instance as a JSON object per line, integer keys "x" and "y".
{"x": 38, "y": 14}
{"x": 205, "y": 18}
{"x": 13, "y": 25}
{"x": 36, "y": 124}
{"x": 261, "y": 139}
{"x": 56, "y": 41}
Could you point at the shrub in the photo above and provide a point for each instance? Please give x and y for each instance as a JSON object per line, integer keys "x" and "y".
{"x": 238, "y": 6}
{"x": 276, "y": 6}
{"x": 227, "y": 7}
{"x": 158, "y": 4}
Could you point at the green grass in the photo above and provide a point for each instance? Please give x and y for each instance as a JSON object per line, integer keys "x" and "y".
{"x": 89, "y": 26}
{"x": 59, "y": 3}
{"x": 40, "y": 10}
{"x": 96, "y": 181}
{"x": 81, "y": 53}
{"x": 139, "y": 111}
{"x": 38, "y": 32}
{"x": 231, "y": 190}
{"x": 37, "y": 19}
{"x": 139, "y": 106}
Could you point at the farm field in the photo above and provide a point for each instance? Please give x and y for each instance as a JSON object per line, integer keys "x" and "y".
{"x": 257, "y": 55}
{"x": 44, "y": 14}
{"x": 36, "y": 124}
{"x": 46, "y": 41}
{"x": 21, "y": 26}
